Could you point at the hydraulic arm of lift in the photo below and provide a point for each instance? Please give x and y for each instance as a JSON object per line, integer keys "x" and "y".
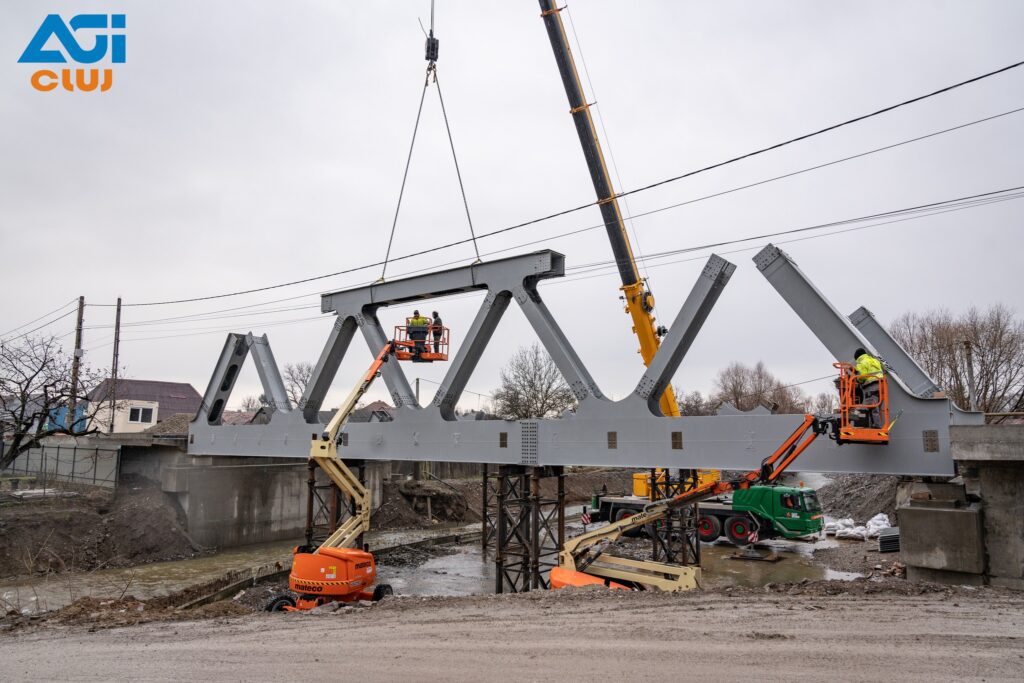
{"x": 337, "y": 570}
{"x": 639, "y": 300}
{"x": 324, "y": 450}
{"x": 583, "y": 560}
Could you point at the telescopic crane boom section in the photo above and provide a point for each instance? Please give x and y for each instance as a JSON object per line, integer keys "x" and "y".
{"x": 639, "y": 301}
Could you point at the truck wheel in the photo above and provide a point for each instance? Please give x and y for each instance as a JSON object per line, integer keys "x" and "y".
{"x": 709, "y": 528}
{"x": 737, "y": 530}
{"x": 626, "y": 513}
{"x": 381, "y": 591}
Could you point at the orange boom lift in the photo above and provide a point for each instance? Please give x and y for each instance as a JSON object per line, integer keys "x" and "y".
{"x": 336, "y": 570}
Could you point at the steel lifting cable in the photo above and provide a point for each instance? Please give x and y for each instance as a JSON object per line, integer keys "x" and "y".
{"x": 431, "y": 56}
{"x": 405, "y": 175}
{"x": 458, "y": 173}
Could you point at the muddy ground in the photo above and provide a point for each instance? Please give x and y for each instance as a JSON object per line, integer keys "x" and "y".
{"x": 858, "y": 632}
{"x": 139, "y": 524}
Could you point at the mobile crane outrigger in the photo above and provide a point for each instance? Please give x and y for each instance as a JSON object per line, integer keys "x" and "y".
{"x": 337, "y": 570}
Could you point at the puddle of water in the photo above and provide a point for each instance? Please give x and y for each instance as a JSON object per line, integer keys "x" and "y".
{"x": 467, "y": 571}
{"x": 719, "y": 569}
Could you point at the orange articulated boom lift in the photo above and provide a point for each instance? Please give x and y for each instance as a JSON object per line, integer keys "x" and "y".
{"x": 336, "y": 570}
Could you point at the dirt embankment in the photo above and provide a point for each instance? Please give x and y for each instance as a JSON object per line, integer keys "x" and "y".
{"x": 860, "y": 496}
{"x": 139, "y": 524}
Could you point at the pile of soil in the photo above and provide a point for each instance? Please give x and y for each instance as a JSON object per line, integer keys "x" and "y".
{"x": 396, "y": 512}
{"x": 140, "y": 524}
{"x": 446, "y": 504}
{"x": 860, "y": 496}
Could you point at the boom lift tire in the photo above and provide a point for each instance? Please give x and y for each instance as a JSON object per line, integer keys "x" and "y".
{"x": 381, "y": 591}
{"x": 737, "y": 530}
{"x": 279, "y": 602}
{"x": 709, "y": 528}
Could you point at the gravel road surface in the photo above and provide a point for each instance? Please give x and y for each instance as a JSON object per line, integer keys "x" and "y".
{"x": 568, "y": 635}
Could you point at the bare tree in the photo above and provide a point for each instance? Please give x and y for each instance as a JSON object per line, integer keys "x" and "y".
{"x": 532, "y": 387}
{"x": 254, "y": 403}
{"x": 748, "y": 387}
{"x": 694, "y": 403}
{"x": 823, "y": 403}
{"x": 35, "y": 385}
{"x": 296, "y": 379}
{"x": 938, "y": 342}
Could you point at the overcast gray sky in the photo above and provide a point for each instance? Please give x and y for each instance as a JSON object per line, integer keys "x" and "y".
{"x": 245, "y": 144}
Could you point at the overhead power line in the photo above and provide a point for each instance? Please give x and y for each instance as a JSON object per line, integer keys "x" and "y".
{"x": 590, "y": 270}
{"x": 906, "y": 216}
{"x": 46, "y": 324}
{"x": 213, "y": 314}
{"x": 565, "y": 212}
{"x": 35, "y": 320}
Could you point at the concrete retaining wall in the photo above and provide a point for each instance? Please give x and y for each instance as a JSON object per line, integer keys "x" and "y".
{"x": 230, "y": 501}
{"x": 971, "y": 531}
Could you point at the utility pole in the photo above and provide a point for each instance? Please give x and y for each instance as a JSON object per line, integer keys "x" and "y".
{"x": 76, "y": 362}
{"x": 113, "y": 366}
{"x": 972, "y": 398}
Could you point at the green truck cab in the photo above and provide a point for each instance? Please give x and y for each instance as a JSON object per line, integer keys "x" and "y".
{"x": 790, "y": 511}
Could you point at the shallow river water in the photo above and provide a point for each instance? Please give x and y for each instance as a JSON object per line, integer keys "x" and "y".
{"x": 463, "y": 571}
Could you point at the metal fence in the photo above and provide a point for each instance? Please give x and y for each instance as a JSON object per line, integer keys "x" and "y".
{"x": 57, "y": 466}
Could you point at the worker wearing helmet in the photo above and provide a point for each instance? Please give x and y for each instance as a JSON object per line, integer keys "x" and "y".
{"x": 418, "y": 325}
{"x": 869, "y": 375}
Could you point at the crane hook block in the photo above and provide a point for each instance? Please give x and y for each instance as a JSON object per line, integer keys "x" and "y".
{"x": 433, "y": 45}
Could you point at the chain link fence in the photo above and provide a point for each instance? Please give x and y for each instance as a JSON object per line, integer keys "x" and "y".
{"x": 64, "y": 467}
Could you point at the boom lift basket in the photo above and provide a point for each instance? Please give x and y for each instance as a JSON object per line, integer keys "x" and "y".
{"x": 421, "y": 343}
{"x": 855, "y": 410}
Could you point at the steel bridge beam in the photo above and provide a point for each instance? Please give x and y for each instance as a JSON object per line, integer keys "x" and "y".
{"x": 602, "y": 432}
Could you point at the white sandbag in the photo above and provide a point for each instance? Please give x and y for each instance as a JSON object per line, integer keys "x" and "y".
{"x": 876, "y": 524}
{"x": 858, "y": 533}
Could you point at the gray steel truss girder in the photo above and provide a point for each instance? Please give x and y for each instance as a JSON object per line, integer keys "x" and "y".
{"x": 270, "y": 377}
{"x": 462, "y": 366}
{"x": 683, "y": 331}
{"x": 327, "y": 367}
{"x": 236, "y": 349}
{"x": 556, "y": 343}
{"x": 601, "y": 432}
{"x": 916, "y": 379}
{"x": 392, "y": 373}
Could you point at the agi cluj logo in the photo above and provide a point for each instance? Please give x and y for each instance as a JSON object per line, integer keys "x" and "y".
{"x": 97, "y": 29}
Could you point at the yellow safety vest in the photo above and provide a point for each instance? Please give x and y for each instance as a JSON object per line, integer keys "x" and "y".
{"x": 869, "y": 369}
{"x": 419, "y": 322}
